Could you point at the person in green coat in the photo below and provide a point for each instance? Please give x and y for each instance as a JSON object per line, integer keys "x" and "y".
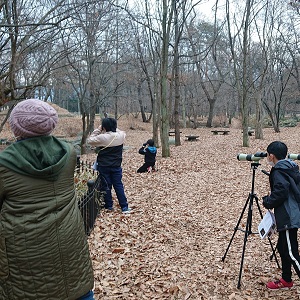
{"x": 44, "y": 252}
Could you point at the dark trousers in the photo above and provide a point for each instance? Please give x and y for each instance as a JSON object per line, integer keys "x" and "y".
{"x": 288, "y": 249}
{"x": 144, "y": 167}
{"x": 112, "y": 177}
{"x": 88, "y": 296}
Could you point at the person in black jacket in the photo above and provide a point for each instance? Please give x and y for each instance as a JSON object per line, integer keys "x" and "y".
{"x": 149, "y": 151}
{"x": 285, "y": 199}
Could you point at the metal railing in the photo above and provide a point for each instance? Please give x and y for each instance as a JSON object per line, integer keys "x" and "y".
{"x": 90, "y": 193}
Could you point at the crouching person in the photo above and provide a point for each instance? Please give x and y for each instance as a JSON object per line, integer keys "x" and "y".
{"x": 149, "y": 151}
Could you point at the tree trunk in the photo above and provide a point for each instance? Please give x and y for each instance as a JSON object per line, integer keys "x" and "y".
{"x": 139, "y": 92}
{"x": 85, "y": 132}
{"x": 164, "y": 128}
{"x": 156, "y": 113}
{"x": 245, "y": 96}
{"x": 176, "y": 80}
{"x": 258, "y": 123}
{"x": 212, "y": 102}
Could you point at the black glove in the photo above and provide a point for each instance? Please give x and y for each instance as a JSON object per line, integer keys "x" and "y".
{"x": 264, "y": 198}
{"x": 145, "y": 144}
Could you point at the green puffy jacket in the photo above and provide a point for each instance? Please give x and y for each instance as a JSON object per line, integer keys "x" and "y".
{"x": 43, "y": 248}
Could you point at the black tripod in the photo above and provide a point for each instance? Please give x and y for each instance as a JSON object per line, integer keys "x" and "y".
{"x": 248, "y": 229}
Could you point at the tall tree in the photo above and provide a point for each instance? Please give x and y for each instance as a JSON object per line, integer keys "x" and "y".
{"x": 166, "y": 22}
{"x": 241, "y": 64}
{"x": 28, "y": 53}
{"x": 182, "y": 10}
{"x": 90, "y": 64}
{"x": 209, "y": 56}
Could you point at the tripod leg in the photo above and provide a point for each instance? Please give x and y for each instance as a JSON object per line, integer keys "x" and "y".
{"x": 236, "y": 228}
{"x": 274, "y": 254}
{"x": 247, "y": 233}
{"x": 270, "y": 242}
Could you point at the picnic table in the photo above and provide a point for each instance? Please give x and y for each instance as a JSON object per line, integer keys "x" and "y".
{"x": 250, "y": 132}
{"x": 192, "y": 137}
{"x": 224, "y": 132}
{"x": 4, "y": 142}
{"x": 172, "y": 132}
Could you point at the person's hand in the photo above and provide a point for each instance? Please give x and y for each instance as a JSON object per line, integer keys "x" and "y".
{"x": 264, "y": 198}
{"x": 102, "y": 130}
{"x": 145, "y": 144}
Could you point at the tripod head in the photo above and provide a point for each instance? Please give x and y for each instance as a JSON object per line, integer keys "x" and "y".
{"x": 255, "y": 165}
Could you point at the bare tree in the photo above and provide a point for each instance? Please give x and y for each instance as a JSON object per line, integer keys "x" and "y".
{"x": 274, "y": 100}
{"x": 240, "y": 37}
{"x": 182, "y": 10}
{"x": 89, "y": 68}
{"x": 210, "y": 57}
{"x": 27, "y": 54}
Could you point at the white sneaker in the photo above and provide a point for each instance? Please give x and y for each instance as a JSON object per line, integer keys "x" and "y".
{"x": 127, "y": 211}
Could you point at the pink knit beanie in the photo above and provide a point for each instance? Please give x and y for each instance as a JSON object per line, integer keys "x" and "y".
{"x": 32, "y": 117}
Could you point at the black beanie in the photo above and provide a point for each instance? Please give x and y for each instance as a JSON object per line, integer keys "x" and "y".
{"x": 150, "y": 142}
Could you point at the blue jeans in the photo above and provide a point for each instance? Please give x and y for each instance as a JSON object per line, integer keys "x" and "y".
{"x": 112, "y": 177}
{"x": 87, "y": 296}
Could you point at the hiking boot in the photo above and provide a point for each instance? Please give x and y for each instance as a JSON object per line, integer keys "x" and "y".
{"x": 279, "y": 284}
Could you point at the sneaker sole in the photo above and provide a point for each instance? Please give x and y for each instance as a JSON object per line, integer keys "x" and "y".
{"x": 280, "y": 289}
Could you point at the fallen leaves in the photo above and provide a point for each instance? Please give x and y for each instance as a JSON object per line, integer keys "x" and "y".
{"x": 172, "y": 245}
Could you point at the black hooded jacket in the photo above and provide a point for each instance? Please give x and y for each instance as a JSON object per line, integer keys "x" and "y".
{"x": 285, "y": 194}
{"x": 149, "y": 153}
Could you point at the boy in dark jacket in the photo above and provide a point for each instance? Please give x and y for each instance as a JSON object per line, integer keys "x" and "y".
{"x": 285, "y": 199}
{"x": 149, "y": 151}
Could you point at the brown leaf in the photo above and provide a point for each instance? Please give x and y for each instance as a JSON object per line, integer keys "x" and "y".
{"x": 118, "y": 250}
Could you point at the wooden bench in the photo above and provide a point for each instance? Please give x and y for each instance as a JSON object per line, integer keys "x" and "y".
{"x": 4, "y": 142}
{"x": 224, "y": 132}
{"x": 250, "y": 132}
{"x": 172, "y": 133}
{"x": 192, "y": 137}
{"x": 61, "y": 136}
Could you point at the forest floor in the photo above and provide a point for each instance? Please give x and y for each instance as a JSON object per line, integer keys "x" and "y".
{"x": 171, "y": 245}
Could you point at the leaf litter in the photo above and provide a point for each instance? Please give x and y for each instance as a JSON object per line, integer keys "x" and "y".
{"x": 172, "y": 245}
{"x": 184, "y": 215}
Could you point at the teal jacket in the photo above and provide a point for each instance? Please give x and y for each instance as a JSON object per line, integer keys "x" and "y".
{"x": 43, "y": 248}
